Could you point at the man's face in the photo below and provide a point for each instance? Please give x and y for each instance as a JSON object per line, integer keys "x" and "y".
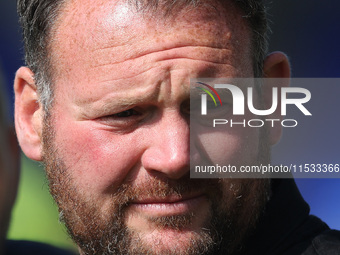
{"x": 116, "y": 141}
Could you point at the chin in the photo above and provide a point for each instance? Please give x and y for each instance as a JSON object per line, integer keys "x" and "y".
{"x": 171, "y": 241}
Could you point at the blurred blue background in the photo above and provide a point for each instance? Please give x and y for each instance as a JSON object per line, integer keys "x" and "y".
{"x": 308, "y": 31}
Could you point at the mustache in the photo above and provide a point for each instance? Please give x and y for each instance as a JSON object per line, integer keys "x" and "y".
{"x": 158, "y": 188}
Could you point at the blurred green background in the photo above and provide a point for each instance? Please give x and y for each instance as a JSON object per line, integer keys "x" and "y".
{"x": 35, "y": 215}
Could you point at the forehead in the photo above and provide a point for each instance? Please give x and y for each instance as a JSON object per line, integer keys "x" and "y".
{"x": 124, "y": 17}
{"x": 86, "y": 28}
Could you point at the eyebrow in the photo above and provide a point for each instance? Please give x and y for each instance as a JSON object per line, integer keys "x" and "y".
{"x": 117, "y": 101}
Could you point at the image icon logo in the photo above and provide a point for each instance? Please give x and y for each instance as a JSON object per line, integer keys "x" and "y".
{"x": 204, "y": 97}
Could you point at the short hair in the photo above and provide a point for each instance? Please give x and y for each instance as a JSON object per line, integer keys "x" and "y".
{"x": 37, "y": 18}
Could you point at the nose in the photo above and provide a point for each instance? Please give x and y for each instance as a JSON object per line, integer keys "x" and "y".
{"x": 168, "y": 152}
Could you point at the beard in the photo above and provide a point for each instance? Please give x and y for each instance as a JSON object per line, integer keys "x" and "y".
{"x": 235, "y": 206}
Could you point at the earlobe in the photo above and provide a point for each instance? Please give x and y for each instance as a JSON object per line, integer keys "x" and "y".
{"x": 28, "y": 114}
{"x": 276, "y": 74}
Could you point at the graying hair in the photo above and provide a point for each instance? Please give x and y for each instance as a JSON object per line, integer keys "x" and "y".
{"x": 38, "y": 17}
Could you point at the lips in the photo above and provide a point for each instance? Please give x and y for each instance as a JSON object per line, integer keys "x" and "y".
{"x": 168, "y": 206}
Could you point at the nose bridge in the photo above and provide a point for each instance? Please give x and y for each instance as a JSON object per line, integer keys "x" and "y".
{"x": 168, "y": 151}
{"x": 176, "y": 134}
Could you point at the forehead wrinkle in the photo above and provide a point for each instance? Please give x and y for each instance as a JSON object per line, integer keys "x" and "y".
{"x": 142, "y": 64}
{"x": 206, "y": 47}
{"x": 121, "y": 96}
{"x": 210, "y": 54}
{"x": 210, "y": 66}
{"x": 124, "y": 77}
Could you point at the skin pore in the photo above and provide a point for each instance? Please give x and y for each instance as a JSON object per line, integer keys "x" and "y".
{"x": 116, "y": 140}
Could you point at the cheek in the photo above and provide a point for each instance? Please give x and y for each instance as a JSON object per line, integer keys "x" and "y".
{"x": 97, "y": 159}
{"x": 225, "y": 145}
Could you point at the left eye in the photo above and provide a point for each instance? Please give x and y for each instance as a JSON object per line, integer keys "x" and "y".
{"x": 126, "y": 113}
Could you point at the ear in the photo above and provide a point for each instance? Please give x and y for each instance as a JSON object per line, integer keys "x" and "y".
{"x": 277, "y": 74}
{"x": 28, "y": 114}
{"x": 276, "y": 65}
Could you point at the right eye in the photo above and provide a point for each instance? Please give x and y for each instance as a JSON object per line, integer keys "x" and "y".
{"x": 125, "y": 114}
{"x": 124, "y": 120}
